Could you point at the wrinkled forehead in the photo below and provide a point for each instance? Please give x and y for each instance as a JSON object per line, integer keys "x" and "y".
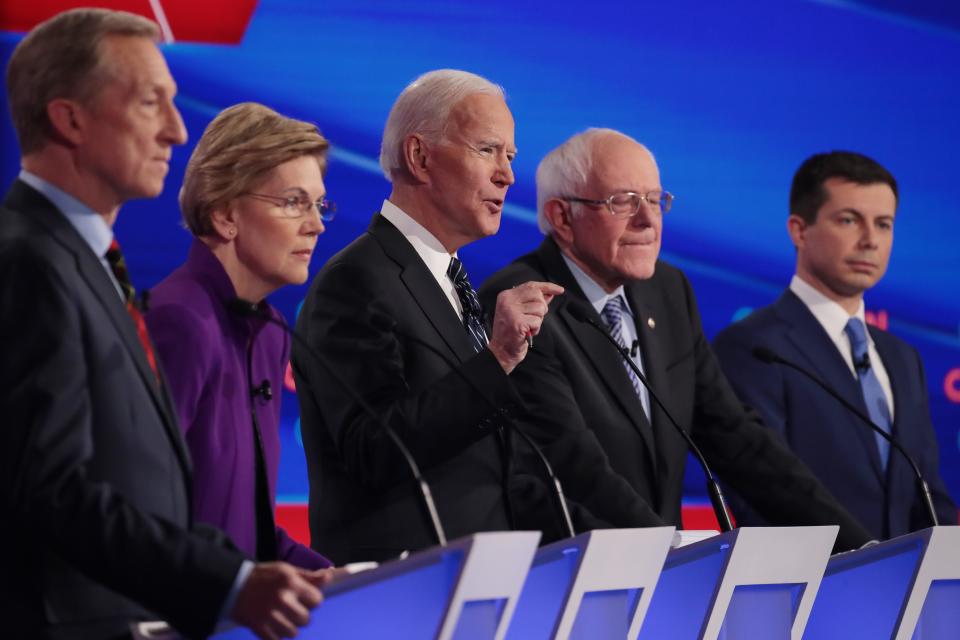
{"x": 132, "y": 61}
{"x": 481, "y": 113}
{"x": 620, "y": 164}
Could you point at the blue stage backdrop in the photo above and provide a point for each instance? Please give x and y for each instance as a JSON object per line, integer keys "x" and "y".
{"x": 729, "y": 96}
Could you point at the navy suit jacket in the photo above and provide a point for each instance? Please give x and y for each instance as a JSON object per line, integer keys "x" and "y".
{"x": 840, "y": 449}
{"x": 94, "y": 475}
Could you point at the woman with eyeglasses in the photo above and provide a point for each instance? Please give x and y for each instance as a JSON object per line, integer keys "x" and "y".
{"x": 253, "y": 196}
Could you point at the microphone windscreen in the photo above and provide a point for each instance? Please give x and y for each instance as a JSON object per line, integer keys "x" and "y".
{"x": 243, "y": 308}
{"x": 764, "y": 354}
{"x": 579, "y": 310}
{"x": 381, "y": 321}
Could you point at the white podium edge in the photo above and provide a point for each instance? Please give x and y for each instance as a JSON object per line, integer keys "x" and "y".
{"x": 773, "y": 555}
{"x": 940, "y": 560}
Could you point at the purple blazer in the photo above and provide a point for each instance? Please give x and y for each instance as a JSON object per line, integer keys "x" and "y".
{"x": 203, "y": 350}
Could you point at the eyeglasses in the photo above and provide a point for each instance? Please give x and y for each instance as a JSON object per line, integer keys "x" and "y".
{"x": 299, "y": 206}
{"x": 627, "y": 203}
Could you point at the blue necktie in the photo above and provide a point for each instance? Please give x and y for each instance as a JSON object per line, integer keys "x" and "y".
{"x": 873, "y": 395}
{"x": 612, "y": 315}
{"x": 472, "y": 313}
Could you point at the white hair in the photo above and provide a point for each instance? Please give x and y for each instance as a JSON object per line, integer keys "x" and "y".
{"x": 424, "y": 107}
{"x": 565, "y": 170}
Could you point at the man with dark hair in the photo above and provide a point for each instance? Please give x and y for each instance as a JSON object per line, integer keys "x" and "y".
{"x": 95, "y": 478}
{"x": 842, "y": 210}
{"x": 809, "y": 190}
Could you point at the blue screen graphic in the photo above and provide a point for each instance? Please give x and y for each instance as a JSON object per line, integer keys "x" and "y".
{"x": 730, "y": 97}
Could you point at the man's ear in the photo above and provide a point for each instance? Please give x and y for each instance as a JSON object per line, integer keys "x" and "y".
{"x": 797, "y": 228}
{"x": 224, "y": 222}
{"x": 69, "y": 119}
{"x": 559, "y": 213}
{"x": 416, "y": 156}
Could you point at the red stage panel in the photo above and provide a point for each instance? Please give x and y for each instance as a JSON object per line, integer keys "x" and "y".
{"x": 212, "y": 21}
{"x": 293, "y": 518}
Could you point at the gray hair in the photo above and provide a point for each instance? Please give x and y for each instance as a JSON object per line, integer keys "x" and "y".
{"x": 61, "y": 58}
{"x": 424, "y": 107}
{"x": 566, "y": 169}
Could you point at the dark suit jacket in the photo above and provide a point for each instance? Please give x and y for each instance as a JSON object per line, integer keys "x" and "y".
{"x": 365, "y": 314}
{"x": 833, "y": 442}
{"x": 94, "y": 476}
{"x": 621, "y": 467}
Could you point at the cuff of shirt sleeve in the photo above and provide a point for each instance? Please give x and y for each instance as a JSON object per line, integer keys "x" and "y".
{"x": 238, "y": 583}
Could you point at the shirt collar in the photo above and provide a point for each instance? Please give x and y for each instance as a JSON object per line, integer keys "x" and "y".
{"x": 89, "y": 224}
{"x": 430, "y": 250}
{"x": 595, "y": 294}
{"x": 831, "y": 316}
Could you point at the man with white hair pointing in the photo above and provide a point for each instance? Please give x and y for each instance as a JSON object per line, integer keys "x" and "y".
{"x": 398, "y": 317}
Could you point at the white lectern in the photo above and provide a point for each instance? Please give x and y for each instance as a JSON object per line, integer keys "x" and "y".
{"x": 465, "y": 590}
{"x": 596, "y": 585}
{"x": 747, "y": 583}
{"x": 908, "y": 587}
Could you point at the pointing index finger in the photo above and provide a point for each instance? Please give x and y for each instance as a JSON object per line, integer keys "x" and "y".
{"x": 549, "y": 290}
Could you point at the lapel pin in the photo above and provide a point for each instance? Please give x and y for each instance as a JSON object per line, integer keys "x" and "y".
{"x": 651, "y": 323}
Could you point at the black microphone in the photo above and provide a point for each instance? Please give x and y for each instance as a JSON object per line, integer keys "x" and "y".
{"x": 264, "y": 391}
{"x": 863, "y": 364}
{"x": 580, "y": 311}
{"x": 770, "y": 357}
{"x": 386, "y": 323}
{"x": 249, "y": 309}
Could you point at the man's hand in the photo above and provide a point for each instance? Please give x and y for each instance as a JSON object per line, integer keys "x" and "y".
{"x": 519, "y": 314}
{"x": 277, "y": 598}
{"x": 321, "y": 578}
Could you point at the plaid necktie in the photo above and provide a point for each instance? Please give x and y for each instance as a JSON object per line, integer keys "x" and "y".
{"x": 472, "y": 312}
{"x": 873, "y": 395}
{"x": 119, "y": 267}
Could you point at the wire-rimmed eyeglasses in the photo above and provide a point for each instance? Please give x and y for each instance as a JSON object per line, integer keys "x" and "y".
{"x": 299, "y": 206}
{"x": 627, "y": 203}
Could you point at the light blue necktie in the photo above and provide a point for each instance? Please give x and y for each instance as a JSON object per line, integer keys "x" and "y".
{"x": 873, "y": 395}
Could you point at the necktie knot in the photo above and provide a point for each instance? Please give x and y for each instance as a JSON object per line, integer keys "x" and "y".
{"x": 612, "y": 314}
{"x": 118, "y": 266}
{"x": 858, "y": 337}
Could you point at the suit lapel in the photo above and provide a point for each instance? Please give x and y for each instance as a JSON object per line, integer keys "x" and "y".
{"x": 597, "y": 349}
{"x": 641, "y": 300}
{"x": 814, "y": 349}
{"x": 91, "y": 270}
{"x": 423, "y": 288}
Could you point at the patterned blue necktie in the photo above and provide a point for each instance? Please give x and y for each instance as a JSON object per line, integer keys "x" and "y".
{"x": 873, "y": 395}
{"x": 472, "y": 312}
{"x": 612, "y": 315}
